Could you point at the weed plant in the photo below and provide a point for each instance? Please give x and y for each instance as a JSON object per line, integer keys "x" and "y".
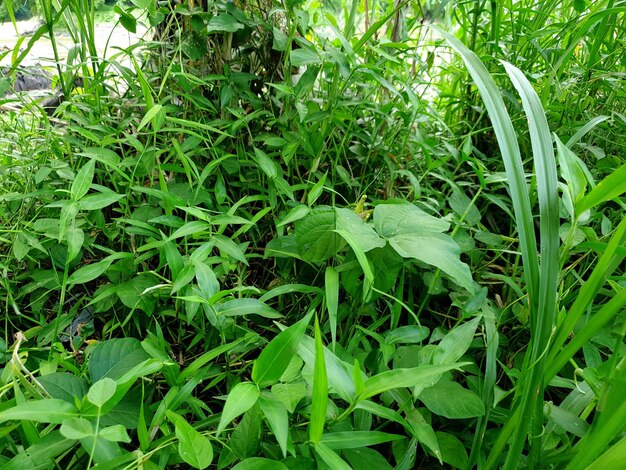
{"x": 295, "y": 235}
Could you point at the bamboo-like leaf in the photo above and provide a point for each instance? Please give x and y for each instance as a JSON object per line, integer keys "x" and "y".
{"x": 610, "y": 187}
{"x": 320, "y": 389}
{"x": 331, "y": 279}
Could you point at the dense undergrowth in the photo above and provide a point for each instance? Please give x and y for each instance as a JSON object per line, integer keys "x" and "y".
{"x": 288, "y": 235}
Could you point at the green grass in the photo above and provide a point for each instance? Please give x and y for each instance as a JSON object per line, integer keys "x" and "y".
{"x": 302, "y": 236}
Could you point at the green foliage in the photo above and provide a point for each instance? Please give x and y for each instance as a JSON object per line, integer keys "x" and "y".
{"x": 305, "y": 235}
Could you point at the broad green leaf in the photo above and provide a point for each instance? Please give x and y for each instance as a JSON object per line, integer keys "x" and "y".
{"x": 423, "y": 431}
{"x": 76, "y": 428}
{"x": 115, "y": 433}
{"x": 102, "y": 391}
{"x": 194, "y": 448}
{"x": 365, "y": 458}
{"x": 40, "y": 455}
{"x": 455, "y": 343}
{"x": 99, "y": 201}
{"x": 330, "y": 458}
{"x": 113, "y": 358}
{"x": 133, "y": 293}
{"x": 355, "y": 439}
{"x": 266, "y": 164}
{"x": 290, "y": 394}
{"x": 315, "y": 236}
{"x": 453, "y": 451}
{"x": 89, "y": 272}
{"x": 276, "y": 356}
{"x": 244, "y": 306}
{"x": 82, "y": 181}
{"x": 64, "y": 386}
{"x": 426, "y": 376}
{"x": 276, "y": 415}
{"x": 410, "y": 334}
{"x": 304, "y": 56}
{"x": 223, "y": 23}
{"x": 451, "y": 400}
{"x": 435, "y": 249}
{"x": 391, "y": 220}
{"x": 228, "y": 246}
{"x": 207, "y": 280}
{"x": 320, "y": 390}
{"x": 260, "y": 463}
{"x": 49, "y": 410}
{"x": 241, "y": 398}
{"x": 364, "y": 233}
{"x": 246, "y": 438}
{"x": 294, "y": 215}
{"x": 463, "y": 206}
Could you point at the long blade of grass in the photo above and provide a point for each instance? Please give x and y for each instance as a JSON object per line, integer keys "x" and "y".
{"x": 542, "y": 320}
{"x": 509, "y": 147}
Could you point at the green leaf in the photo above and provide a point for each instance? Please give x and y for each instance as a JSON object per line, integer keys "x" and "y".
{"x": 132, "y": 295}
{"x": 115, "y": 357}
{"x": 294, "y": 215}
{"x": 451, "y": 400}
{"x": 115, "y": 433}
{"x": 260, "y": 463}
{"x": 243, "y": 306}
{"x": 228, "y": 246}
{"x": 330, "y": 458}
{"x": 452, "y": 450}
{"x": 339, "y": 373}
{"x": 423, "y": 431}
{"x": 364, "y": 458}
{"x": 50, "y": 410}
{"x": 223, "y": 23}
{"x": 455, "y": 343}
{"x": 410, "y": 334}
{"x": 82, "y": 181}
{"x": 355, "y": 439}
{"x": 89, "y": 272}
{"x": 99, "y": 201}
{"x": 424, "y": 376}
{"x": 320, "y": 390}
{"x": 435, "y": 249}
{"x": 64, "y": 386}
{"x": 76, "y": 428}
{"x": 609, "y": 188}
{"x": 194, "y": 448}
{"x": 315, "y": 236}
{"x": 40, "y": 455}
{"x": 331, "y": 284}
{"x": 277, "y": 418}
{"x": 150, "y": 116}
{"x": 241, "y": 398}
{"x": 102, "y": 391}
{"x": 276, "y": 356}
{"x": 572, "y": 171}
{"x": 364, "y": 233}
{"x": 391, "y": 220}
